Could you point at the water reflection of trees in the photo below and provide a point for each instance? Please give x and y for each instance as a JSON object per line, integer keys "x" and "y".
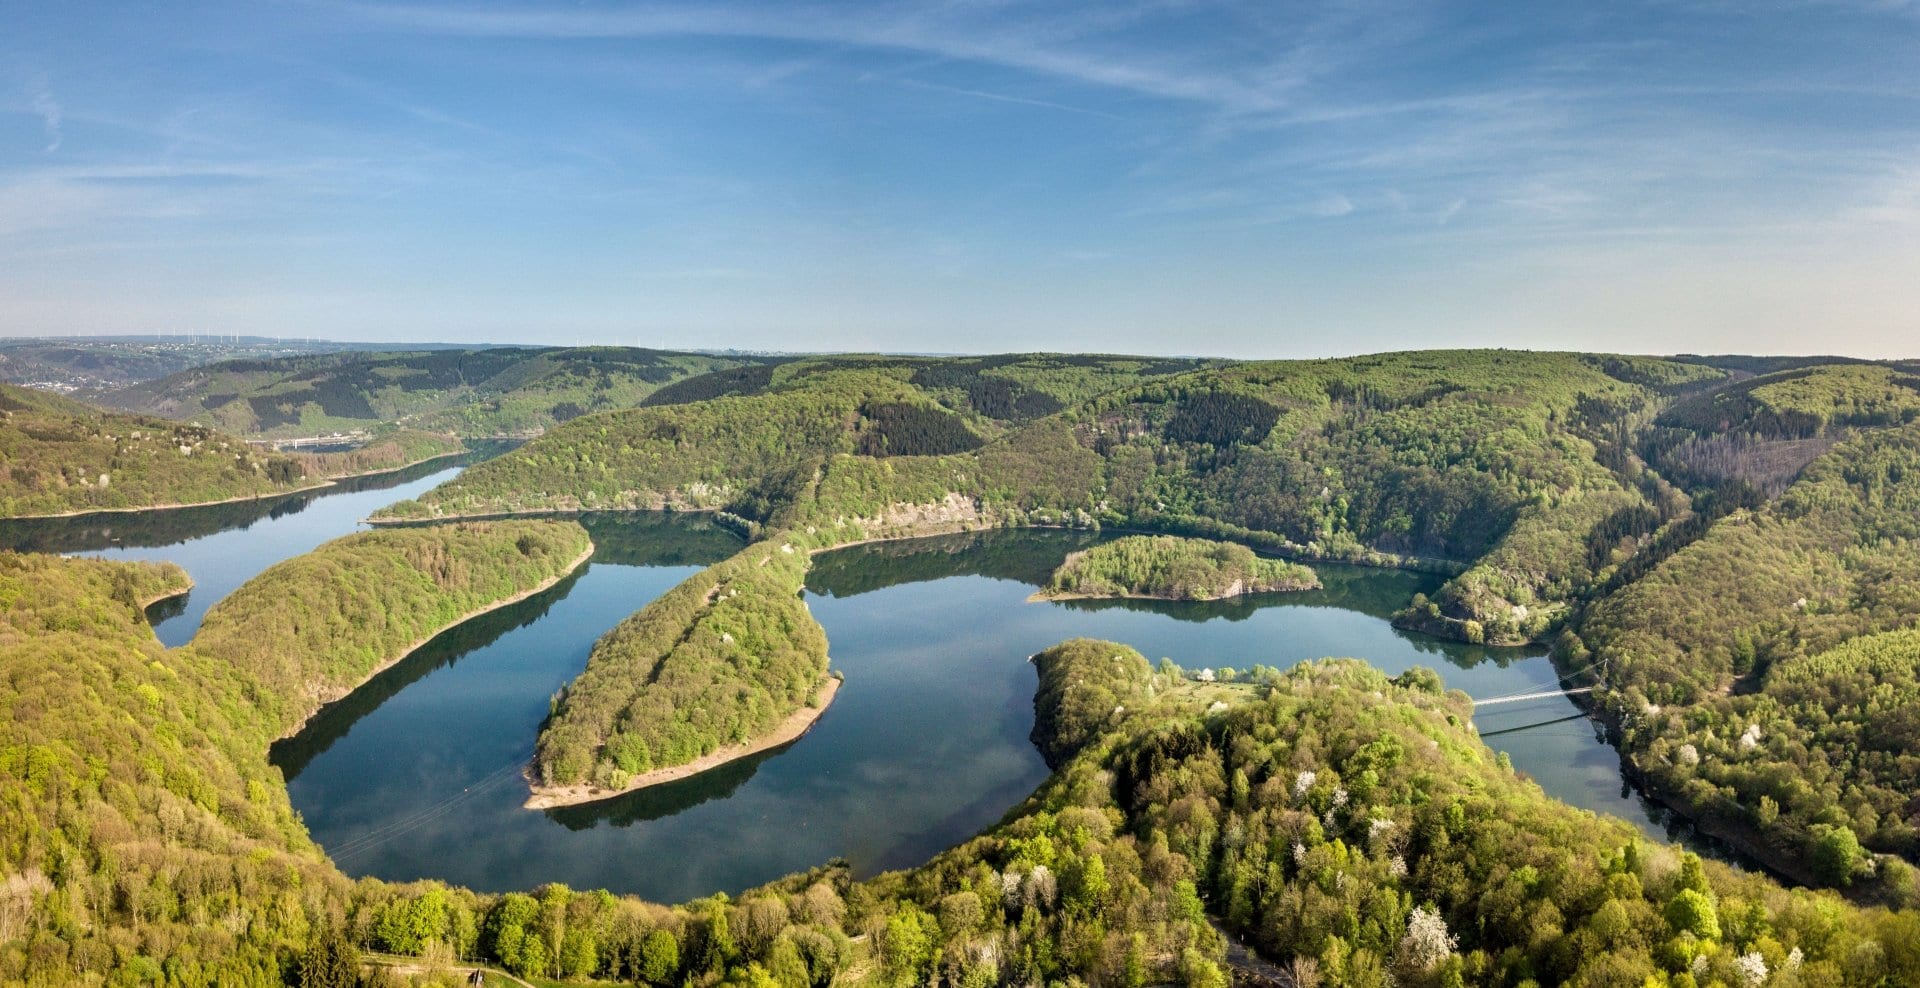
{"x": 627, "y": 539}
{"x": 667, "y": 799}
{"x": 1026, "y": 555}
{"x": 336, "y": 719}
{"x": 172, "y": 526}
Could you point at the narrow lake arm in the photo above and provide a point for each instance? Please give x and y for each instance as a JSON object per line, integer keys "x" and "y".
{"x": 309, "y": 630}
{"x": 726, "y": 664}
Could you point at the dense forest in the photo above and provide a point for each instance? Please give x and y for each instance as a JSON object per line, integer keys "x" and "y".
{"x": 1531, "y": 478}
{"x": 718, "y": 660}
{"x": 310, "y": 629}
{"x": 469, "y": 392}
{"x": 1173, "y": 568}
{"x": 1514, "y": 468}
{"x": 1724, "y": 660}
{"x": 1728, "y": 559}
{"x": 60, "y": 456}
{"x": 1351, "y": 827}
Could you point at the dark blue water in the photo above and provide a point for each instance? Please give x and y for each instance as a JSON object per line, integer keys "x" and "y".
{"x": 926, "y": 744}
{"x": 417, "y": 774}
{"x": 222, "y": 545}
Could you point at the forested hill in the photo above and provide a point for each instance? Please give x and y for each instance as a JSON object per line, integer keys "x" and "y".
{"x": 1759, "y": 676}
{"x": 1351, "y": 827}
{"x": 59, "y": 456}
{"x": 470, "y": 392}
{"x": 1517, "y": 468}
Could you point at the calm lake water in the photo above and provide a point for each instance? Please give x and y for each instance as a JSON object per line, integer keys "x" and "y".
{"x": 926, "y": 744}
{"x": 223, "y": 545}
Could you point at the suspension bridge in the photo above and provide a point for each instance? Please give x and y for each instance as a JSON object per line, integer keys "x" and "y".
{"x": 1523, "y": 697}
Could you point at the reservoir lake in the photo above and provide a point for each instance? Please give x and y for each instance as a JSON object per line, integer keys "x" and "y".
{"x": 418, "y": 774}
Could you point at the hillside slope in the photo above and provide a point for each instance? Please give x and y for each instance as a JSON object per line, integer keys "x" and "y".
{"x": 470, "y": 392}
{"x": 1351, "y": 827}
{"x": 59, "y": 456}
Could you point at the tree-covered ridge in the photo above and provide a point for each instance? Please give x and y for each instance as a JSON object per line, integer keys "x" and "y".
{"x": 741, "y": 454}
{"x": 59, "y": 456}
{"x": 1690, "y": 652}
{"x": 1521, "y": 463}
{"x": 1173, "y": 568}
{"x": 1355, "y": 830}
{"x": 471, "y": 392}
{"x": 720, "y": 659}
{"x": 136, "y": 800}
{"x": 1516, "y": 467}
{"x": 310, "y": 629}
{"x": 389, "y": 451}
{"x": 1763, "y": 431}
{"x": 1003, "y": 388}
{"x": 147, "y": 841}
{"x": 1803, "y": 402}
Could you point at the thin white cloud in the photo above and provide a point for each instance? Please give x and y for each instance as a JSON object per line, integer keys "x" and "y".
{"x": 1004, "y": 98}
{"x": 41, "y": 96}
{"x": 932, "y": 31}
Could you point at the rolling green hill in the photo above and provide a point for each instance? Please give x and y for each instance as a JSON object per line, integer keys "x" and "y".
{"x": 1719, "y": 661}
{"x": 1351, "y": 827}
{"x": 1515, "y": 468}
{"x": 61, "y": 456}
{"x": 502, "y": 391}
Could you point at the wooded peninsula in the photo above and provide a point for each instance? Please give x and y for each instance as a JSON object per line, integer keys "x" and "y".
{"x": 1724, "y": 549}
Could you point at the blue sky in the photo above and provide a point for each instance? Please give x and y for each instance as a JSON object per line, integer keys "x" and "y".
{"x": 1248, "y": 179}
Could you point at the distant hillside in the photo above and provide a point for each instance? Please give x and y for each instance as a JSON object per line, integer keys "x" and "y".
{"x": 1511, "y": 466}
{"x": 1764, "y": 430}
{"x": 88, "y": 365}
{"x": 62, "y": 456}
{"x": 470, "y": 392}
{"x": 58, "y": 455}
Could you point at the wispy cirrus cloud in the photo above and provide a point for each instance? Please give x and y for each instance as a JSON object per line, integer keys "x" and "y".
{"x": 1049, "y": 44}
{"x": 40, "y": 96}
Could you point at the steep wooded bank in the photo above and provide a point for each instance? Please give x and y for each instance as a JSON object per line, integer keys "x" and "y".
{"x": 1350, "y": 826}
{"x": 1172, "y": 568}
{"x": 59, "y": 456}
{"x": 720, "y": 660}
{"x": 1517, "y": 468}
{"x": 389, "y": 451}
{"x": 1759, "y": 678}
{"x": 310, "y": 629}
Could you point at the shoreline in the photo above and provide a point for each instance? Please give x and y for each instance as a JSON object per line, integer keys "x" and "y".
{"x": 377, "y": 521}
{"x": 332, "y": 480}
{"x": 148, "y": 603}
{"x": 792, "y": 729}
{"x": 1042, "y": 596}
{"x": 176, "y": 506}
{"x": 409, "y": 649}
{"x": 335, "y": 478}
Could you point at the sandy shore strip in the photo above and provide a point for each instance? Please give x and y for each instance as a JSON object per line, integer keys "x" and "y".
{"x": 797, "y": 723}
{"x": 416, "y": 646}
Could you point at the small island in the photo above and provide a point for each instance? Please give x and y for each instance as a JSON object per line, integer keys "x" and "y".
{"x": 1167, "y": 567}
